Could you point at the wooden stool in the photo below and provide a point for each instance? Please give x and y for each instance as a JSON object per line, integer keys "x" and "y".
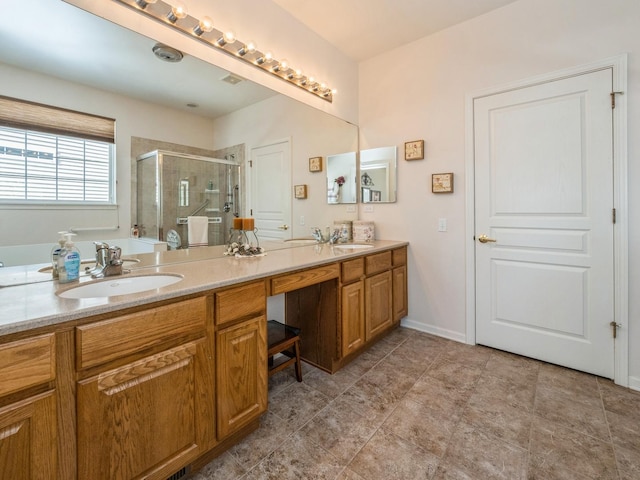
{"x": 284, "y": 339}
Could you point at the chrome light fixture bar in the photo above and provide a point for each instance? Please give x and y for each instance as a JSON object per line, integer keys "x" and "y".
{"x": 174, "y": 15}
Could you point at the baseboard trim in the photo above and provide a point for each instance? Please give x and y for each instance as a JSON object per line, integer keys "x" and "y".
{"x": 437, "y": 331}
{"x": 634, "y": 383}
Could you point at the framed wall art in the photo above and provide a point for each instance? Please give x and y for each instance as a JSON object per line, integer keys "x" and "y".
{"x": 442, "y": 183}
{"x": 315, "y": 164}
{"x": 300, "y": 191}
{"x": 414, "y": 150}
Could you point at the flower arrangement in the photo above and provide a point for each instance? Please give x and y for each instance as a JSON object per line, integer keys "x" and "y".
{"x": 243, "y": 250}
{"x": 340, "y": 180}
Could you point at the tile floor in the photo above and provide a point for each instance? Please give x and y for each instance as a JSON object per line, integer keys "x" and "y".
{"x": 415, "y": 406}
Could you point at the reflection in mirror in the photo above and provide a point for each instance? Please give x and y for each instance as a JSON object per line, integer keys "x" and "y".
{"x": 378, "y": 175}
{"x": 72, "y": 59}
{"x": 341, "y": 178}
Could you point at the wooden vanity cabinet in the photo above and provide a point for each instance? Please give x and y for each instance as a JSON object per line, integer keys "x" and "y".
{"x": 399, "y": 282}
{"x": 352, "y": 305}
{"x": 28, "y": 440}
{"x": 241, "y": 356}
{"x": 145, "y": 395}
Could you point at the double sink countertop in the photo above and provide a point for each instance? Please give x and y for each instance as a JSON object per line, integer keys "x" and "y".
{"x": 28, "y": 298}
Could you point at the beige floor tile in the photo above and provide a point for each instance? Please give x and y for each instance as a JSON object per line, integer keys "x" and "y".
{"x": 222, "y": 468}
{"x": 475, "y": 454}
{"x": 513, "y": 368}
{"x": 297, "y": 404}
{"x": 582, "y": 413}
{"x": 625, "y": 430}
{"x": 295, "y": 459}
{"x": 456, "y": 374}
{"x": 559, "y": 452}
{"x": 508, "y": 423}
{"x": 628, "y": 463}
{"x": 389, "y": 457}
{"x": 340, "y": 430}
{"x": 422, "y": 425}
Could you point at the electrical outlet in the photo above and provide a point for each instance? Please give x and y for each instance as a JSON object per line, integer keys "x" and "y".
{"x": 368, "y": 208}
{"x": 301, "y": 219}
{"x": 351, "y": 209}
{"x": 442, "y": 225}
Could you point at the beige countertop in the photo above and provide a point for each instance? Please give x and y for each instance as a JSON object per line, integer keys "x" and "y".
{"x": 29, "y": 301}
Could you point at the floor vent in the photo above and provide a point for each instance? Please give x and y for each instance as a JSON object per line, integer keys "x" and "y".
{"x": 182, "y": 473}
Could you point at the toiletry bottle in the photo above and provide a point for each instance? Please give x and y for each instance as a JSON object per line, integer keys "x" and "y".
{"x": 135, "y": 231}
{"x": 68, "y": 261}
{"x": 55, "y": 253}
{"x": 344, "y": 234}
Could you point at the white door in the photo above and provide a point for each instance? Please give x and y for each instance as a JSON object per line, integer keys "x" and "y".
{"x": 544, "y": 193}
{"x": 271, "y": 190}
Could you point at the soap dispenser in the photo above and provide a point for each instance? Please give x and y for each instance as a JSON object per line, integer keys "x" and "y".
{"x": 68, "y": 261}
{"x": 55, "y": 253}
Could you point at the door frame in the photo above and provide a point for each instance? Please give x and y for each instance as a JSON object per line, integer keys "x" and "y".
{"x": 620, "y": 201}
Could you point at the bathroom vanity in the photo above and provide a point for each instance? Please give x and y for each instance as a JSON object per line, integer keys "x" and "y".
{"x": 147, "y": 384}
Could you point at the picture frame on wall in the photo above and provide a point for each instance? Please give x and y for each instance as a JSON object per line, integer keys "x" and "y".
{"x": 442, "y": 183}
{"x": 315, "y": 164}
{"x": 300, "y": 191}
{"x": 414, "y": 150}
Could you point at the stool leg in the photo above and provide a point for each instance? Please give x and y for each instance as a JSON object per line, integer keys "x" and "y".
{"x": 298, "y": 362}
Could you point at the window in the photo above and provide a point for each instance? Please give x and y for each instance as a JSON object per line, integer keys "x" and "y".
{"x": 42, "y": 167}
{"x": 52, "y": 155}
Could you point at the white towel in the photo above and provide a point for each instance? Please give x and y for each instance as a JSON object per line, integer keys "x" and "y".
{"x": 198, "y": 231}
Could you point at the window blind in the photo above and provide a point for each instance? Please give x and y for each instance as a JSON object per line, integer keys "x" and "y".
{"x": 44, "y": 118}
{"x": 43, "y": 167}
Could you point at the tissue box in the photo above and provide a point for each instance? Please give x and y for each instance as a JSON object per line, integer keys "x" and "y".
{"x": 363, "y": 231}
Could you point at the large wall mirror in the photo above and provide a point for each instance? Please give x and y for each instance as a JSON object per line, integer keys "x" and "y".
{"x": 378, "y": 175}
{"x": 73, "y": 59}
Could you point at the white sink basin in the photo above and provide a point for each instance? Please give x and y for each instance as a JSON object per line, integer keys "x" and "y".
{"x": 352, "y": 246}
{"x": 120, "y": 285}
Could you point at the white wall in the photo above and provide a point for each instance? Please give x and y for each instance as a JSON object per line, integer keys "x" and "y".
{"x": 418, "y": 92}
{"x": 312, "y": 133}
{"x": 35, "y": 225}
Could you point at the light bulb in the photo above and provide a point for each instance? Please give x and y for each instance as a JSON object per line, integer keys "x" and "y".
{"x": 144, "y": 3}
{"x": 204, "y": 25}
{"x": 249, "y": 47}
{"x": 227, "y": 37}
{"x": 179, "y": 10}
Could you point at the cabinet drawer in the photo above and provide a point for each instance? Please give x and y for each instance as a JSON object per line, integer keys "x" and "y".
{"x": 26, "y": 363}
{"x": 352, "y": 270}
{"x": 400, "y": 256}
{"x": 241, "y": 302}
{"x": 378, "y": 262}
{"x": 294, "y": 281}
{"x": 107, "y": 340}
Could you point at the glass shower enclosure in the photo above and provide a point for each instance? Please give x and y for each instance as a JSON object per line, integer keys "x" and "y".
{"x": 172, "y": 186}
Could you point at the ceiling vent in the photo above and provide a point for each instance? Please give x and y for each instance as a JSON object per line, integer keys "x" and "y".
{"x": 232, "y": 79}
{"x": 166, "y": 53}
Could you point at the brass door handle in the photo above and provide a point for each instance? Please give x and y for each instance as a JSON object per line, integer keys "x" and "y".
{"x": 284, "y": 227}
{"x": 484, "y": 239}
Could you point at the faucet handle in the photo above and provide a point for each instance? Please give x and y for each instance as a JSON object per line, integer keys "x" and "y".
{"x": 114, "y": 256}
{"x": 100, "y": 245}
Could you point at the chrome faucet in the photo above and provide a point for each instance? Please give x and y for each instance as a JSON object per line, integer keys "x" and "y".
{"x": 108, "y": 261}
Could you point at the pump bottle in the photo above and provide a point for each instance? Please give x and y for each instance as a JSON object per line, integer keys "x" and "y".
{"x": 55, "y": 253}
{"x": 68, "y": 261}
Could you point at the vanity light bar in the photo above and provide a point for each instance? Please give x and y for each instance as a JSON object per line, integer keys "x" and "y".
{"x": 204, "y": 31}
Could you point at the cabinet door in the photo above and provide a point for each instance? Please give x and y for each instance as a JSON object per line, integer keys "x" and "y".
{"x": 352, "y": 317}
{"x": 241, "y": 373}
{"x": 378, "y": 299}
{"x": 28, "y": 447}
{"x": 400, "y": 301}
{"x": 140, "y": 420}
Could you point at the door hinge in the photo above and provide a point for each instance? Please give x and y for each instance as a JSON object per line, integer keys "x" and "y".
{"x": 613, "y": 215}
{"x": 613, "y": 98}
{"x": 614, "y": 327}
{"x": 250, "y": 163}
{"x": 251, "y": 212}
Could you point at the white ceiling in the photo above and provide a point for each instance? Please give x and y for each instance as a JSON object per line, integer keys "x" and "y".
{"x": 66, "y": 42}
{"x": 362, "y": 29}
